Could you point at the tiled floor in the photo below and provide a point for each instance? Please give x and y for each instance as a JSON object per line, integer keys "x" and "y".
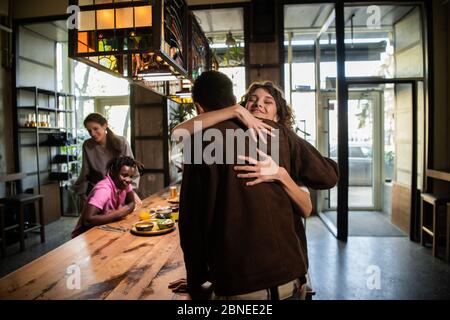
{"x": 337, "y": 270}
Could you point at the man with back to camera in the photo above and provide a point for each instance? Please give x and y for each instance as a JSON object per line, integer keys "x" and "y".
{"x": 242, "y": 239}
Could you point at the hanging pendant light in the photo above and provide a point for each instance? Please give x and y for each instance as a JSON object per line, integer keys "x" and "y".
{"x": 125, "y": 31}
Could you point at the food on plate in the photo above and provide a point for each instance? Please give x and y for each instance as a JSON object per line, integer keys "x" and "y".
{"x": 165, "y": 224}
{"x": 144, "y": 226}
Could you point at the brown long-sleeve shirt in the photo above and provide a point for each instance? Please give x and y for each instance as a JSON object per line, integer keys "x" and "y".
{"x": 244, "y": 238}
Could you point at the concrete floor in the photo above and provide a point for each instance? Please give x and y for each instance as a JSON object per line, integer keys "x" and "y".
{"x": 343, "y": 270}
{"x": 367, "y": 223}
{"x": 337, "y": 270}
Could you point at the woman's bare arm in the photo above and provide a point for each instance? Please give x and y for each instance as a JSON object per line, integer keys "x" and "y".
{"x": 208, "y": 119}
{"x": 300, "y": 196}
{"x": 211, "y": 118}
{"x": 268, "y": 171}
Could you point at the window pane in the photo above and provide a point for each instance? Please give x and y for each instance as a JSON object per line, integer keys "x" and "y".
{"x": 85, "y": 2}
{"x": 86, "y": 20}
{"x": 143, "y": 16}
{"x": 383, "y": 41}
{"x": 105, "y": 19}
{"x": 124, "y": 18}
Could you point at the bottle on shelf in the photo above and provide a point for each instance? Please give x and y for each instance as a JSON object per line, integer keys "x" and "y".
{"x": 27, "y": 122}
{"x": 40, "y": 121}
{"x": 33, "y": 123}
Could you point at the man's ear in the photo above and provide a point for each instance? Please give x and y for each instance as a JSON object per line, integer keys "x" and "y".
{"x": 199, "y": 108}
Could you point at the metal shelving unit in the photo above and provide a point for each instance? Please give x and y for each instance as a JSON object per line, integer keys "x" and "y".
{"x": 56, "y": 136}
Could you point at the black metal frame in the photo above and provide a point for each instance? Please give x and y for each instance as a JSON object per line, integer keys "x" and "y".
{"x": 343, "y": 83}
{"x": 157, "y": 22}
{"x": 15, "y": 49}
{"x": 16, "y": 129}
{"x": 415, "y": 216}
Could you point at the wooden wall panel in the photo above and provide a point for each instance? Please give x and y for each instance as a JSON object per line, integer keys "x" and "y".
{"x": 51, "y": 203}
{"x": 150, "y": 153}
{"x": 149, "y": 121}
{"x": 272, "y": 74}
{"x": 151, "y": 183}
{"x": 401, "y": 206}
{"x": 264, "y": 53}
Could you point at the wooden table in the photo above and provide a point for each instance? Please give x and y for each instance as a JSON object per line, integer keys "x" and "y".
{"x": 111, "y": 265}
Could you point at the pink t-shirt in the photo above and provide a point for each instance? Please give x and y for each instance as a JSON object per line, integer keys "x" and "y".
{"x": 105, "y": 196}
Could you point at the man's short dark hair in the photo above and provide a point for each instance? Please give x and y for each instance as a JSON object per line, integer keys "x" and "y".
{"x": 213, "y": 90}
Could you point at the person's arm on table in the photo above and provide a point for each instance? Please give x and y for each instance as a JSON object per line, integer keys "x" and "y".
{"x": 93, "y": 215}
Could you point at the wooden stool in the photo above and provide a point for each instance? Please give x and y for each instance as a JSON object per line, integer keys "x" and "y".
{"x": 2, "y": 232}
{"x": 18, "y": 203}
{"x": 429, "y": 222}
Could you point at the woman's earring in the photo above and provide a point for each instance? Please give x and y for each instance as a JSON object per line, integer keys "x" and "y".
{"x": 106, "y": 131}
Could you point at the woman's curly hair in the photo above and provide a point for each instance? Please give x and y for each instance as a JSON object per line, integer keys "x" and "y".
{"x": 284, "y": 111}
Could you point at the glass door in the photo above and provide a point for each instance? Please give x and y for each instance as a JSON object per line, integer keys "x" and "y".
{"x": 364, "y": 112}
{"x": 328, "y": 48}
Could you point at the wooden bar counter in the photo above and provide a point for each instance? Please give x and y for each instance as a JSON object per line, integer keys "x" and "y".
{"x": 111, "y": 265}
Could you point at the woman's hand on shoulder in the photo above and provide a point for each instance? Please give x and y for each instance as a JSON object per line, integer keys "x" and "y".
{"x": 257, "y": 126}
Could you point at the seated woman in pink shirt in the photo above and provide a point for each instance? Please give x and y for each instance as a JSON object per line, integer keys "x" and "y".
{"x": 112, "y": 198}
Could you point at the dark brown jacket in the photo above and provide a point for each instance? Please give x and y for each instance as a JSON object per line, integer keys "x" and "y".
{"x": 242, "y": 238}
